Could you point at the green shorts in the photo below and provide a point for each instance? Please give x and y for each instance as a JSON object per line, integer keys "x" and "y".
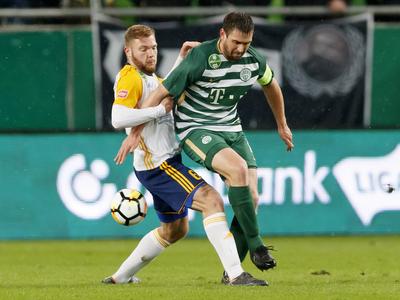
{"x": 201, "y": 145}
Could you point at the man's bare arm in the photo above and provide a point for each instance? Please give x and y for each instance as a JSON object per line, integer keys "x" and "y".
{"x": 161, "y": 92}
{"x": 275, "y": 100}
{"x": 155, "y": 97}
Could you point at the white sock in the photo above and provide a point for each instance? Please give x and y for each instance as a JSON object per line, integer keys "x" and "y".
{"x": 224, "y": 243}
{"x": 149, "y": 247}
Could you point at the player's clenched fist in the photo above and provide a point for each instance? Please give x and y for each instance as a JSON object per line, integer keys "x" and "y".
{"x": 168, "y": 104}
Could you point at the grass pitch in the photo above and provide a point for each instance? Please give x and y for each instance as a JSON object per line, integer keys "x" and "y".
{"x": 364, "y": 267}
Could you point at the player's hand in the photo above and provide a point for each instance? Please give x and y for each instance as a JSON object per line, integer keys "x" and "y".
{"x": 186, "y": 46}
{"x": 286, "y": 135}
{"x": 128, "y": 145}
{"x": 168, "y": 103}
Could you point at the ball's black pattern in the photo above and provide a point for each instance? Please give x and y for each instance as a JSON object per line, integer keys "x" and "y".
{"x": 126, "y": 218}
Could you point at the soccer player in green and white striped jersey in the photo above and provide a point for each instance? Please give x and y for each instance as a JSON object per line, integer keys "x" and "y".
{"x": 213, "y": 78}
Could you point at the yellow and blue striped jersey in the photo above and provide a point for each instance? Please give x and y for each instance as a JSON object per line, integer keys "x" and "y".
{"x": 158, "y": 142}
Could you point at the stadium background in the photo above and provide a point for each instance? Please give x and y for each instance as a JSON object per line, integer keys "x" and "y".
{"x": 323, "y": 206}
{"x": 58, "y": 151}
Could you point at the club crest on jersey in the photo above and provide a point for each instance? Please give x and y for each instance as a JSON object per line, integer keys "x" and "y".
{"x": 206, "y": 139}
{"x": 122, "y": 93}
{"x": 245, "y": 74}
{"x": 214, "y": 61}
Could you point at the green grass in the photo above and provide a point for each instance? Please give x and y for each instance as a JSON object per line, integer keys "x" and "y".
{"x": 360, "y": 268}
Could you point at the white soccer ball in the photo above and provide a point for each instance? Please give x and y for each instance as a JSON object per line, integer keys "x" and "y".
{"x": 128, "y": 207}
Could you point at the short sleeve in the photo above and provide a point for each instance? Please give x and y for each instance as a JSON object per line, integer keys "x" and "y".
{"x": 186, "y": 73}
{"x": 128, "y": 87}
{"x": 265, "y": 74}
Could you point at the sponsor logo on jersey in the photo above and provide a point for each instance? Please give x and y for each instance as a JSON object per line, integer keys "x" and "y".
{"x": 206, "y": 139}
{"x": 122, "y": 93}
{"x": 245, "y": 74}
{"x": 214, "y": 61}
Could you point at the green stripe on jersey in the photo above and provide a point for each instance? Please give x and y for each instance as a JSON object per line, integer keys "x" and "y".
{"x": 212, "y": 86}
{"x": 209, "y": 116}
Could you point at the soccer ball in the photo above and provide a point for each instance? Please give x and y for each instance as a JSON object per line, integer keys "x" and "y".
{"x": 128, "y": 207}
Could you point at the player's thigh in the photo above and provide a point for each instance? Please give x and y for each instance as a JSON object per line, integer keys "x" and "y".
{"x": 202, "y": 145}
{"x": 241, "y": 146}
{"x": 172, "y": 186}
{"x": 207, "y": 200}
{"x": 231, "y": 166}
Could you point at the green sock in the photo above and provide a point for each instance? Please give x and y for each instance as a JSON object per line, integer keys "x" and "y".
{"x": 240, "y": 239}
{"x": 243, "y": 207}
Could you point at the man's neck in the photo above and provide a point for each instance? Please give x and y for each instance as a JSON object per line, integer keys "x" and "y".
{"x": 219, "y": 48}
{"x": 141, "y": 71}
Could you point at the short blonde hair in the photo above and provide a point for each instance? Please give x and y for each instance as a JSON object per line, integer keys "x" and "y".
{"x": 137, "y": 32}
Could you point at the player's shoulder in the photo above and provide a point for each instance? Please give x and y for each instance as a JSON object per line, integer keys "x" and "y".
{"x": 209, "y": 45}
{"x": 256, "y": 55}
{"x": 254, "y": 52}
{"x": 129, "y": 72}
{"x": 206, "y": 48}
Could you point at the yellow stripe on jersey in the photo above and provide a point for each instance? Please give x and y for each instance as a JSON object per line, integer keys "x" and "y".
{"x": 128, "y": 88}
{"x": 174, "y": 177}
{"x": 267, "y": 77}
{"x": 147, "y": 155}
{"x": 178, "y": 177}
{"x": 141, "y": 148}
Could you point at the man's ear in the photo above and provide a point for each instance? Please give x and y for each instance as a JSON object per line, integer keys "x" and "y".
{"x": 127, "y": 51}
{"x": 222, "y": 34}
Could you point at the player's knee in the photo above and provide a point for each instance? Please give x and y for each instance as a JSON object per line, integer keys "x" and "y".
{"x": 213, "y": 200}
{"x": 207, "y": 200}
{"x": 173, "y": 232}
{"x": 238, "y": 172}
{"x": 178, "y": 234}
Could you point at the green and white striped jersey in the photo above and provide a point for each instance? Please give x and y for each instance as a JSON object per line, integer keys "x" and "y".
{"x": 212, "y": 87}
